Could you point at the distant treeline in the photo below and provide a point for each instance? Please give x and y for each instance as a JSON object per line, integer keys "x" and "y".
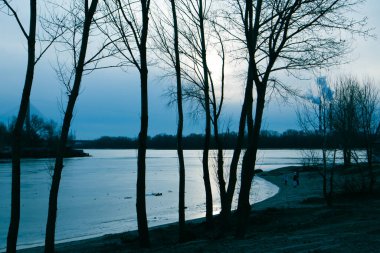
{"x": 37, "y": 133}
{"x": 269, "y": 139}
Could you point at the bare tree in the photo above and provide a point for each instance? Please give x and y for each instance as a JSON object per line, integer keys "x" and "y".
{"x": 129, "y": 19}
{"x": 216, "y": 106}
{"x": 345, "y": 114}
{"x": 195, "y": 71}
{"x": 78, "y": 21}
{"x": 30, "y": 36}
{"x": 283, "y": 35}
{"x": 315, "y": 117}
{"x": 16, "y": 139}
{"x": 368, "y": 102}
{"x": 168, "y": 51}
{"x": 181, "y": 204}
{"x": 196, "y": 89}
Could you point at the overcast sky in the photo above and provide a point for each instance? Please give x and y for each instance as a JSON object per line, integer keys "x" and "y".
{"x": 109, "y": 101}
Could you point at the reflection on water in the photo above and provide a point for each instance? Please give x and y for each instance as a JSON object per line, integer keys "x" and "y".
{"x": 97, "y": 194}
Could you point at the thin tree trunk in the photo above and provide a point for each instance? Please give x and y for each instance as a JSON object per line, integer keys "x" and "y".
{"x": 219, "y": 145}
{"x": 142, "y": 221}
{"x": 216, "y": 110}
{"x": 226, "y": 208}
{"x": 325, "y": 193}
{"x": 347, "y": 155}
{"x": 17, "y": 132}
{"x": 181, "y": 192}
{"x": 58, "y": 167}
{"x": 220, "y": 167}
{"x": 331, "y": 192}
{"x": 206, "y": 148}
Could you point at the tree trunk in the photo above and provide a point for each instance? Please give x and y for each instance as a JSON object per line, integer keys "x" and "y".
{"x": 249, "y": 160}
{"x": 227, "y": 205}
{"x": 58, "y": 167}
{"x": 251, "y": 32}
{"x": 331, "y": 192}
{"x": 326, "y": 194}
{"x": 141, "y": 166}
{"x": 346, "y": 155}
{"x": 220, "y": 159}
{"x": 142, "y": 221}
{"x": 220, "y": 168}
{"x": 226, "y": 208}
{"x": 181, "y": 192}
{"x": 216, "y": 110}
{"x": 206, "y": 148}
{"x": 17, "y": 132}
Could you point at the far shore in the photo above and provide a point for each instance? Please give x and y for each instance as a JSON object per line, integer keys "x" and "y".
{"x": 294, "y": 220}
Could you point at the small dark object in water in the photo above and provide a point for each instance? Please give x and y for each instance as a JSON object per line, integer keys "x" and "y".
{"x": 157, "y": 194}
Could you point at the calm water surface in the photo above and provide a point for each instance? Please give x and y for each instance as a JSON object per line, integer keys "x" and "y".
{"x": 97, "y": 193}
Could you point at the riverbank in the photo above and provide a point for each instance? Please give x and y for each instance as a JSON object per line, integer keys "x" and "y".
{"x": 38, "y": 153}
{"x": 294, "y": 220}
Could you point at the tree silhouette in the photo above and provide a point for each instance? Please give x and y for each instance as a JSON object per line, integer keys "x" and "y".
{"x": 167, "y": 50}
{"x": 369, "y": 101}
{"x": 315, "y": 116}
{"x": 194, "y": 17}
{"x": 129, "y": 20}
{"x": 30, "y": 37}
{"x": 71, "y": 78}
{"x": 289, "y": 36}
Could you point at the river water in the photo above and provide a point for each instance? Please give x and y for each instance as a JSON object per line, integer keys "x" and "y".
{"x": 97, "y": 193}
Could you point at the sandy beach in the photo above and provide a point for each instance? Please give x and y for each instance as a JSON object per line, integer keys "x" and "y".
{"x": 294, "y": 220}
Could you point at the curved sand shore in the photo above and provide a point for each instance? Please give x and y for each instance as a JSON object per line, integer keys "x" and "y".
{"x": 294, "y": 220}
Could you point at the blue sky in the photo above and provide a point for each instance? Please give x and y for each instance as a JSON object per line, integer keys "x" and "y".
{"x": 109, "y": 100}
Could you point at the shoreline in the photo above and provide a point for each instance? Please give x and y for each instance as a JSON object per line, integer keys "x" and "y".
{"x": 194, "y": 219}
{"x": 68, "y": 242}
{"x": 84, "y": 239}
{"x": 294, "y": 220}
